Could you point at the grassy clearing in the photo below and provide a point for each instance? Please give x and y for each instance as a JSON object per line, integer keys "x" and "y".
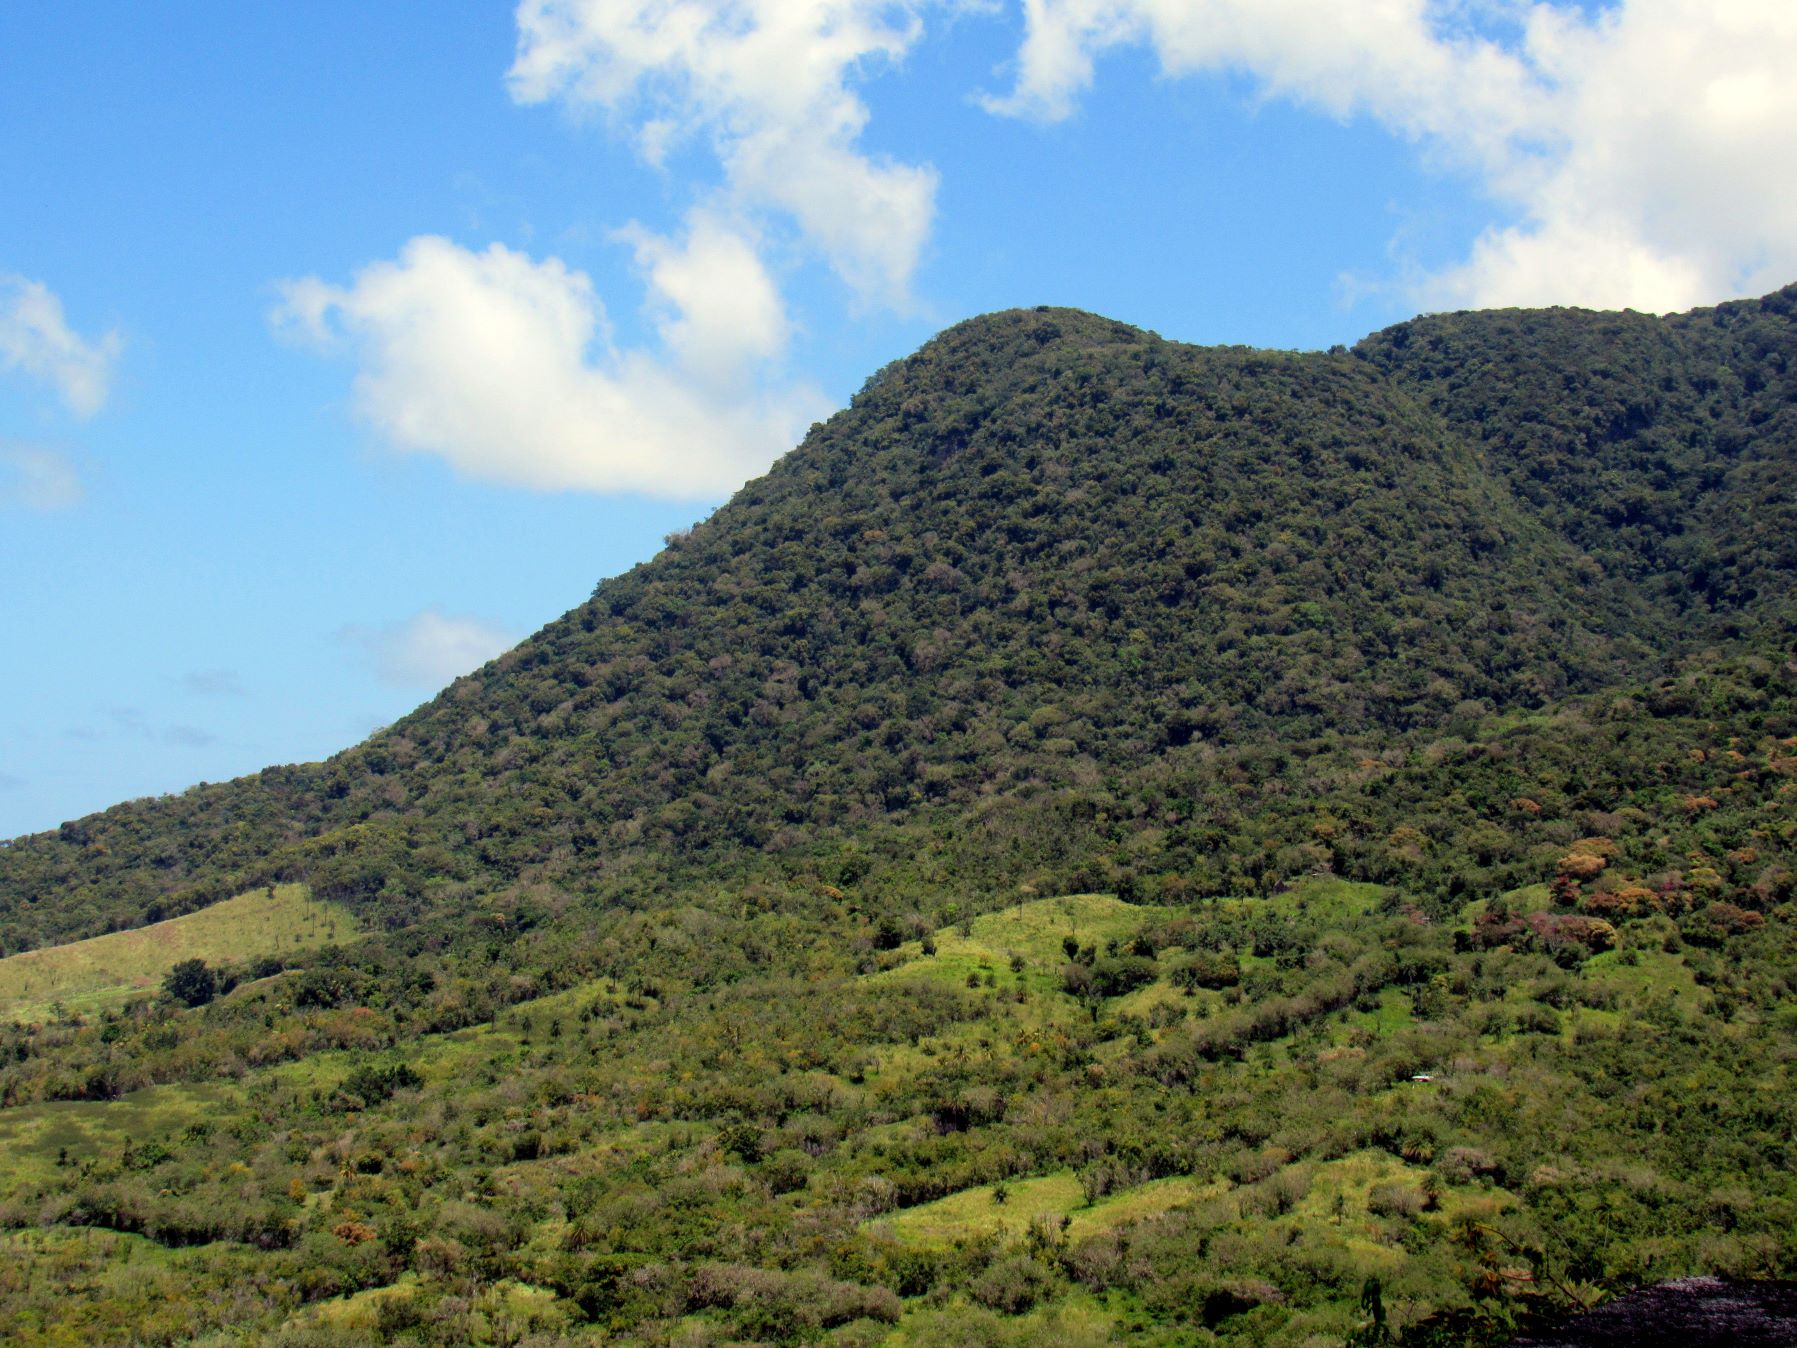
{"x": 1528, "y": 899}
{"x": 1339, "y": 1201}
{"x": 1393, "y": 1013}
{"x": 88, "y": 975}
{"x": 1326, "y": 897}
{"x": 1076, "y": 1321}
{"x": 33, "y": 1137}
{"x": 976, "y": 1212}
{"x": 505, "y": 1312}
{"x": 1034, "y": 931}
{"x": 1646, "y": 972}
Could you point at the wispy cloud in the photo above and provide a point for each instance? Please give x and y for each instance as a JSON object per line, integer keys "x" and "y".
{"x": 429, "y": 649}
{"x": 36, "y": 340}
{"x": 133, "y": 723}
{"x": 213, "y": 683}
{"x": 36, "y": 477}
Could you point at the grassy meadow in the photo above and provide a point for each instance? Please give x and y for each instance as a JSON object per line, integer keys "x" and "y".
{"x": 105, "y": 970}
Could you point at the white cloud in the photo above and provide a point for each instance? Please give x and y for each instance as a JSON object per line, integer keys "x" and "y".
{"x": 1642, "y": 147}
{"x": 429, "y": 649}
{"x": 37, "y": 478}
{"x": 769, "y": 84}
{"x": 1379, "y": 57}
{"x": 718, "y": 312}
{"x": 497, "y": 363}
{"x": 36, "y": 339}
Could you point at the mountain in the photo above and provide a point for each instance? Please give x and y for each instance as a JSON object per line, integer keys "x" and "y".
{"x": 1441, "y": 686}
{"x": 1046, "y": 548}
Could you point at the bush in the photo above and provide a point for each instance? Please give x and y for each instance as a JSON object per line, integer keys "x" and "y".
{"x": 1012, "y": 1286}
{"x": 369, "y": 1085}
{"x": 191, "y": 983}
{"x": 1395, "y": 1200}
{"x": 786, "y": 1170}
{"x": 1215, "y": 970}
{"x": 1122, "y": 974}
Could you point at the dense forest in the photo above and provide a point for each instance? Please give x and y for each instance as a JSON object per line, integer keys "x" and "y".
{"x": 1107, "y": 839}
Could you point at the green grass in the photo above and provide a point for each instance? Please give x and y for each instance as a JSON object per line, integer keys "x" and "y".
{"x": 1326, "y": 897}
{"x": 1074, "y": 1321}
{"x": 1651, "y": 971}
{"x": 1528, "y": 899}
{"x": 976, "y": 1212}
{"x": 1032, "y": 930}
{"x": 90, "y": 975}
{"x": 510, "y": 1310}
{"x": 33, "y": 1137}
{"x": 1352, "y": 1179}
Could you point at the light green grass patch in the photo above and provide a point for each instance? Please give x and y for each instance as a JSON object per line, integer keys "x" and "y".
{"x": 1074, "y": 1321}
{"x": 104, "y": 970}
{"x": 1393, "y": 1013}
{"x": 976, "y": 1212}
{"x": 1328, "y": 897}
{"x": 1653, "y": 971}
{"x": 1033, "y": 930}
{"x": 505, "y": 1312}
{"x": 1143, "y": 1001}
{"x": 1528, "y": 899}
{"x": 1351, "y": 1179}
{"x": 32, "y": 1137}
{"x": 359, "y": 1311}
{"x": 1320, "y": 898}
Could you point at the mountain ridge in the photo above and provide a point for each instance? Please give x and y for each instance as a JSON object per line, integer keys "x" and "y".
{"x": 973, "y": 494}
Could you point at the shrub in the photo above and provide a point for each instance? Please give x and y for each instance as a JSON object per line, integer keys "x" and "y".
{"x": 786, "y": 1170}
{"x": 191, "y": 983}
{"x": 1012, "y": 1285}
{"x": 1395, "y": 1200}
{"x": 1115, "y": 976}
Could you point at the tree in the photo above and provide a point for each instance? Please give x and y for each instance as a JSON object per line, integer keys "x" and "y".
{"x": 191, "y": 983}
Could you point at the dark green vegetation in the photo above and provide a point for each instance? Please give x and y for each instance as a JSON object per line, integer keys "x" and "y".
{"x": 1427, "y": 710}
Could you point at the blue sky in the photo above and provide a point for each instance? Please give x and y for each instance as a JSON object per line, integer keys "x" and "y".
{"x": 343, "y": 344}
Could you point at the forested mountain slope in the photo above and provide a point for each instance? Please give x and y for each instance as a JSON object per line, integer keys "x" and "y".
{"x": 1106, "y": 841}
{"x": 1660, "y": 447}
{"x": 1043, "y": 552}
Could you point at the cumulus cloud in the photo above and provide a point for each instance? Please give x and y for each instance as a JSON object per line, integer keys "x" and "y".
{"x": 35, "y": 477}
{"x": 1639, "y": 145}
{"x": 717, "y": 309}
{"x": 769, "y": 86}
{"x": 36, "y": 340}
{"x": 499, "y": 363}
{"x": 429, "y": 649}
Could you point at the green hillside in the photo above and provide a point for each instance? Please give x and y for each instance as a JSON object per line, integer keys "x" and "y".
{"x": 1107, "y": 840}
{"x": 267, "y": 927}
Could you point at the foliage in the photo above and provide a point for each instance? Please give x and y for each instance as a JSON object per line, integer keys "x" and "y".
{"x": 1311, "y": 832}
{"x": 191, "y": 983}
